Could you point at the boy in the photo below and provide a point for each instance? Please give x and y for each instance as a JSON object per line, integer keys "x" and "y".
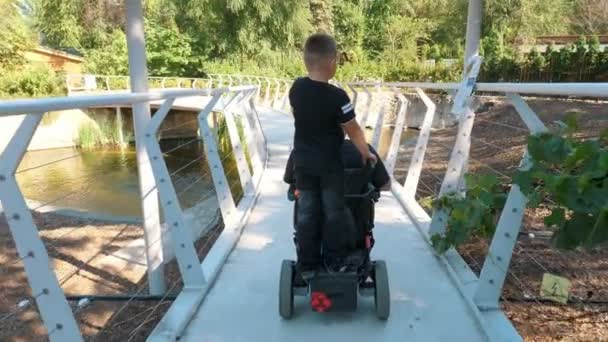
{"x": 322, "y": 114}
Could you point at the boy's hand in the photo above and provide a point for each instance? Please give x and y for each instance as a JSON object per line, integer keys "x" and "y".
{"x": 371, "y": 158}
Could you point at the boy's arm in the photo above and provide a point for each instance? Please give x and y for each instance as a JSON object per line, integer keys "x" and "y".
{"x": 350, "y": 125}
{"x": 288, "y": 176}
{"x": 356, "y": 135}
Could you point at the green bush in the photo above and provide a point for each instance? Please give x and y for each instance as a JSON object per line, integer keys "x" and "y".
{"x": 31, "y": 81}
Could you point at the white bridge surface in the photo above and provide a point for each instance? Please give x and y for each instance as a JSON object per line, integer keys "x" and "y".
{"x": 242, "y": 306}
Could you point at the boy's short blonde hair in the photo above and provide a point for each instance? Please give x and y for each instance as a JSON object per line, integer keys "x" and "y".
{"x": 318, "y": 48}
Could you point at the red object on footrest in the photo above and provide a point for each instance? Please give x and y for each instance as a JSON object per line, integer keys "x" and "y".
{"x": 368, "y": 242}
{"x": 320, "y": 302}
{"x": 297, "y": 193}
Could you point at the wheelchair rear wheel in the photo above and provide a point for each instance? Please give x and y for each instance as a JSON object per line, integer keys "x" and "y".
{"x": 382, "y": 293}
{"x": 286, "y": 289}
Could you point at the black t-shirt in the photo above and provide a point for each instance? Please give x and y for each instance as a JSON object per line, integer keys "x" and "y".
{"x": 319, "y": 110}
{"x": 352, "y": 160}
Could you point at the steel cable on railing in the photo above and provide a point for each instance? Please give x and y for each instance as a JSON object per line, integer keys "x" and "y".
{"x": 26, "y": 303}
{"x": 144, "y": 285}
{"x": 502, "y": 124}
{"x": 207, "y": 243}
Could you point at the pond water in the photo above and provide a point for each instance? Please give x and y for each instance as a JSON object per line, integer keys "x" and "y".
{"x": 106, "y": 181}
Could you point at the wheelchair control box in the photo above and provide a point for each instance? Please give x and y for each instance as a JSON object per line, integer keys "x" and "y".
{"x": 334, "y": 292}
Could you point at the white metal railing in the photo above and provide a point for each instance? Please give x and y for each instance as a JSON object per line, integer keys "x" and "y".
{"x": 272, "y": 92}
{"x": 483, "y": 292}
{"x": 237, "y": 101}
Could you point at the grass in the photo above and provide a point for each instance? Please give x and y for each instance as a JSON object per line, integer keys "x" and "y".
{"x": 104, "y": 133}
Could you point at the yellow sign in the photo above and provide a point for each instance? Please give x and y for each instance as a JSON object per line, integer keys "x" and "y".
{"x": 555, "y": 288}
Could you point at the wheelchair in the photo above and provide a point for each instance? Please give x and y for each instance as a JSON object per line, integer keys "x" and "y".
{"x": 331, "y": 291}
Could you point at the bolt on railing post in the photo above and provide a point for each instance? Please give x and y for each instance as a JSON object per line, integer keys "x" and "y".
{"x": 496, "y": 264}
{"x": 415, "y": 169}
{"x": 52, "y": 305}
{"x": 393, "y": 150}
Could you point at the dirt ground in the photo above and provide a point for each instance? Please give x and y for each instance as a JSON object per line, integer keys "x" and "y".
{"x": 498, "y": 142}
{"x": 79, "y": 250}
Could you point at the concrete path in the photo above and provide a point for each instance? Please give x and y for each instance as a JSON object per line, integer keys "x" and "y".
{"x": 243, "y": 304}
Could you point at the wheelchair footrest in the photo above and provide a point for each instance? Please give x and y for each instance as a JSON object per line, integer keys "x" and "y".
{"x": 334, "y": 292}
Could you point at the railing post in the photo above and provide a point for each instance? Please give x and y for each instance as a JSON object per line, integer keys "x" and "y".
{"x": 284, "y": 105}
{"x": 393, "y": 150}
{"x": 453, "y": 181}
{"x": 141, "y": 117}
{"x": 267, "y": 94}
{"x": 368, "y": 107}
{"x": 277, "y": 91}
{"x": 496, "y": 264}
{"x": 255, "y": 142}
{"x": 183, "y": 244}
{"x": 52, "y": 305}
{"x": 237, "y": 145}
{"x": 355, "y": 96}
{"x": 258, "y": 94}
{"x": 222, "y": 188}
{"x": 415, "y": 169}
{"x": 377, "y": 130}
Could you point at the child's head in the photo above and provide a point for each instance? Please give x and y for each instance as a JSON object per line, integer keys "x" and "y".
{"x": 320, "y": 54}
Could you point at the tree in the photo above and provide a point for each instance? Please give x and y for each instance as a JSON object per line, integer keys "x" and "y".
{"x": 349, "y": 27}
{"x": 57, "y": 21}
{"x": 16, "y": 37}
{"x": 322, "y": 16}
{"x": 590, "y": 17}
